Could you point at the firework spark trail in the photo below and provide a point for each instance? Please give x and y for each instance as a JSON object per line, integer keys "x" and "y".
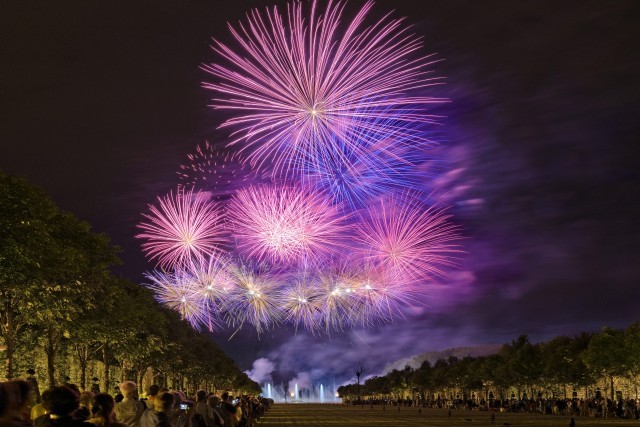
{"x": 285, "y": 224}
{"x": 183, "y": 227}
{"x": 296, "y": 83}
{"x": 399, "y": 234}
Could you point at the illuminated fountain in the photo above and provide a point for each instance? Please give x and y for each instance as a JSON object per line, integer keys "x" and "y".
{"x": 316, "y": 394}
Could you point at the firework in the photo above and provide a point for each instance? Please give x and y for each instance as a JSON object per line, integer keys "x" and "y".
{"x": 212, "y": 281}
{"x": 213, "y": 169}
{"x": 298, "y": 81}
{"x": 300, "y": 303}
{"x": 177, "y": 292}
{"x": 184, "y": 226}
{"x": 254, "y": 299}
{"x": 285, "y": 224}
{"x": 381, "y": 297}
{"x": 401, "y": 235}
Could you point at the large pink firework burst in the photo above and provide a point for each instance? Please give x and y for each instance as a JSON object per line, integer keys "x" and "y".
{"x": 285, "y": 224}
{"x": 184, "y": 226}
{"x": 298, "y": 81}
{"x": 401, "y": 235}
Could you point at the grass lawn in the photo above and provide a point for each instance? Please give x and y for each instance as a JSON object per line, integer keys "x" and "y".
{"x": 310, "y": 415}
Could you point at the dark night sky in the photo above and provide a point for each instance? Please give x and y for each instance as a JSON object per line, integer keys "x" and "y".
{"x": 101, "y": 101}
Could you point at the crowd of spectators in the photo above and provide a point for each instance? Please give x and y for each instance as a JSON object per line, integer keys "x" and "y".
{"x": 591, "y": 407}
{"x": 66, "y": 406}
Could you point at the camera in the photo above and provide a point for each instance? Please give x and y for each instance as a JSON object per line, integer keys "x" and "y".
{"x": 184, "y": 406}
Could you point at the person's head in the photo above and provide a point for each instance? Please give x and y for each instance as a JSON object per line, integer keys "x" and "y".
{"x": 201, "y": 396}
{"x": 153, "y": 391}
{"x": 102, "y": 406}
{"x": 85, "y": 399}
{"x": 225, "y": 396}
{"x": 128, "y": 389}
{"x": 15, "y": 397}
{"x": 63, "y": 401}
{"x": 163, "y": 403}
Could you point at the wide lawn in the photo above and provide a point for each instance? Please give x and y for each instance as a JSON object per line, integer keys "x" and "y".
{"x": 310, "y": 415}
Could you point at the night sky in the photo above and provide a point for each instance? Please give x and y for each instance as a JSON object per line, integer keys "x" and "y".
{"x": 100, "y": 103}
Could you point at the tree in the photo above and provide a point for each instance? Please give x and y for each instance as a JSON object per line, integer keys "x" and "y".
{"x": 27, "y": 256}
{"x": 563, "y": 364}
{"x": 359, "y": 369}
{"x": 606, "y": 355}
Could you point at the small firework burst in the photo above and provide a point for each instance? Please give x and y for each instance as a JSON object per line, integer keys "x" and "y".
{"x": 212, "y": 280}
{"x": 401, "y": 235}
{"x": 177, "y": 291}
{"x": 253, "y": 299}
{"x": 214, "y": 169}
{"x": 300, "y": 305}
{"x": 285, "y": 224}
{"x": 183, "y": 227}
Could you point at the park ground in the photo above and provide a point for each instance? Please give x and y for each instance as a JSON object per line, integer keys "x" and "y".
{"x": 312, "y": 415}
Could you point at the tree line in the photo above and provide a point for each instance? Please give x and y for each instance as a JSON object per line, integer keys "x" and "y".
{"x": 64, "y": 315}
{"x": 586, "y": 365}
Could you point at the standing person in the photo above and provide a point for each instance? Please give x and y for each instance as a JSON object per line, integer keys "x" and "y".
{"x": 203, "y": 410}
{"x": 102, "y": 415}
{"x": 214, "y": 403}
{"x": 153, "y": 391}
{"x": 228, "y": 410}
{"x": 159, "y": 414}
{"x": 63, "y": 403}
{"x": 15, "y": 401}
{"x": 129, "y": 410}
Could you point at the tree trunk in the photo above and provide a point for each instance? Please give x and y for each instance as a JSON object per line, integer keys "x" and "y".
{"x": 83, "y": 356}
{"x": 9, "y": 353}
{"x": 106, "y": 360}
{"x": 9, "y": 328}
{"x": 612, "y": 391}
{"x": 51, "y": 349}
{"x": 139, "y": 376}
